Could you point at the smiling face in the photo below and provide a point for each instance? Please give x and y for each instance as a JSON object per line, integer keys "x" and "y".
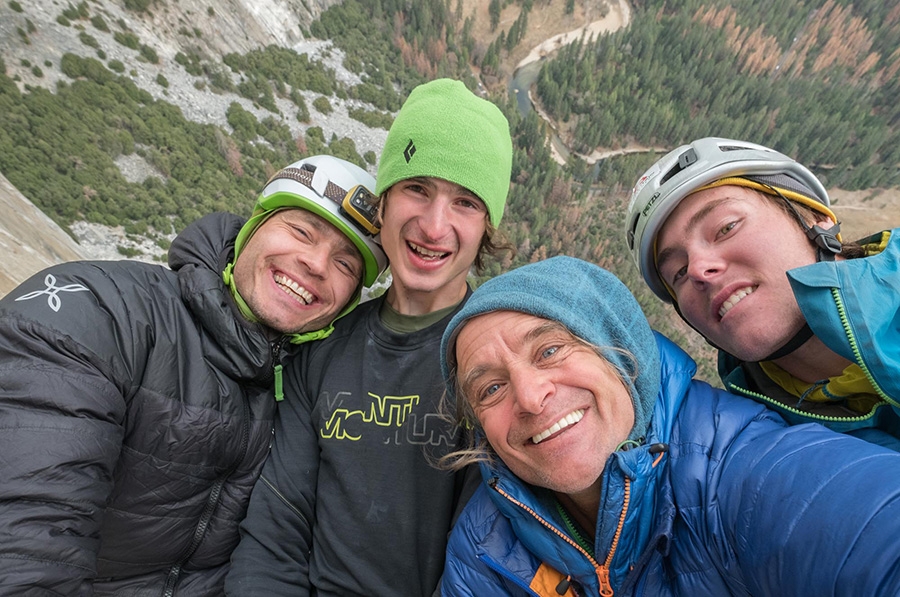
{"x": 724, "y": 252}
{"x": 431, "y": 231}
{"x": 551, "y": 408}
{"x": 297, "y": 272}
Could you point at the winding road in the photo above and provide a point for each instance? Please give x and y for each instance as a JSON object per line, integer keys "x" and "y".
{"x": 618, "y": 16}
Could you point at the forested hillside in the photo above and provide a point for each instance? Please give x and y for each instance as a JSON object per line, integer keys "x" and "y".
{"x": 816, "y": 79}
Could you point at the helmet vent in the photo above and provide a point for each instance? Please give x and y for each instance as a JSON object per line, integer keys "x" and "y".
{"x": 670, "y": 174}
{"x": 684, "y": 161}
{"x": 629, "y": 236}
{"x": 784, "y": 181}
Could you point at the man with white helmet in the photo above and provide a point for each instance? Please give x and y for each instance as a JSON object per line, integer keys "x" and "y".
{"x": 136, "y": 401}
{"x": 741, "y": 240}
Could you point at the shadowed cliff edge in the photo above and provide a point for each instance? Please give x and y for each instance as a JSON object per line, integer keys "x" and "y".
{"x": 29, "y": 240}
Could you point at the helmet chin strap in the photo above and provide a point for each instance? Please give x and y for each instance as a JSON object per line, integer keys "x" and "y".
{"x": 827, "y": 246}
{"x": 795, "y": 342}
{"x": 798, "y": 340}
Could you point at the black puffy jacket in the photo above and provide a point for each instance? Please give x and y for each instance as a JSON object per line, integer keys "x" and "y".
{"x": 136, "y": 410}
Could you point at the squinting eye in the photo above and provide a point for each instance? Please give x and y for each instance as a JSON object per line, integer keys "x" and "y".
{"x": 679, "y": 274}
{"x": 347, "y": 266}
{"x": 727, "y": 228}
{"x": 492, "y": 389}
{"x": 549, "y": 352}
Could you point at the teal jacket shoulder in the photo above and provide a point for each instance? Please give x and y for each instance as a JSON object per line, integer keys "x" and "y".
{"x": 853, "y": 306}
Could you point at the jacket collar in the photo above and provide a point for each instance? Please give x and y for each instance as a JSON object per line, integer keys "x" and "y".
{"x": 866, "y": 304}
{"x": 198, "y": 255}
{"x": 867, "y": 297}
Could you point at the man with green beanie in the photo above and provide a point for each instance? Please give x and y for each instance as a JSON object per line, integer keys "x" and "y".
{"x": 349, "y": 502}
{"x": 136, "y": 401}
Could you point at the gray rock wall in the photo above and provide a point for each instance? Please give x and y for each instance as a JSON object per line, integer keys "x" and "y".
{"x": 29, "y": 240}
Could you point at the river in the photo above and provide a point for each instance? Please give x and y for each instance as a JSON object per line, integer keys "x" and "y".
{"x": 527, "y": 71}
{"x": 520, "y": 86}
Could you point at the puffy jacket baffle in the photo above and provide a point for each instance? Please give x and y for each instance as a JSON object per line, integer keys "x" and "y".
{"x": 136, "y": 410}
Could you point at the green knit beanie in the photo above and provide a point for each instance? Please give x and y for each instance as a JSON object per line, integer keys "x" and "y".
{"x": 445, "y": 131}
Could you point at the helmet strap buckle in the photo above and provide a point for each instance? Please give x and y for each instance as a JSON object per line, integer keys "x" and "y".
{"x": 827, "y": 244}
{"x": 826, "y": 241}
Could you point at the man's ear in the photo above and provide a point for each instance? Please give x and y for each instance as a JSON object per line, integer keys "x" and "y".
{"x": 824, "y": 222}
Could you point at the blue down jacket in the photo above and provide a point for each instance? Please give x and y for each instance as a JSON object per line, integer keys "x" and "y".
{"x": 723, "y": 509}
{"x": 853, "y": 306}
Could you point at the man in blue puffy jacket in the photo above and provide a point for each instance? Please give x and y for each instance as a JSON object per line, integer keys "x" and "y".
{"x": 609, "y": 470}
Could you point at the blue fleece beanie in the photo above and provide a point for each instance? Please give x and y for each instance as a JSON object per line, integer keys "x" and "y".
{"x": 591, "y": 302}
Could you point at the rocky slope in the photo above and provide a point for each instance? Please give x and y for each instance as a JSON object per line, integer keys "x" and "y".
{"x": 169, "y": 27}
{"x": 30, "y": 35}
{"x": 182, "y": 26}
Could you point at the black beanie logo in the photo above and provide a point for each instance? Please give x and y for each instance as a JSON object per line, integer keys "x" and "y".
{"x": 410, "y": 151}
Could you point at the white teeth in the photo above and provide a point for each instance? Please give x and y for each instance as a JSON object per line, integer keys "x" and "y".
{"x": 294, "y": 289}
{"x": 569, "y": 419}
{"x": 426, "y": 253}
{"x": 733, "y": 300}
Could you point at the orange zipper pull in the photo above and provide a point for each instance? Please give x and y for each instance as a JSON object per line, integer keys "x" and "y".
{"x": 606, "y": 589}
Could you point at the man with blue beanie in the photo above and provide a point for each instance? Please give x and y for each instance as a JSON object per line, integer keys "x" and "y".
{"x": 608, "y": 470}
{"x": 349, "y": 503}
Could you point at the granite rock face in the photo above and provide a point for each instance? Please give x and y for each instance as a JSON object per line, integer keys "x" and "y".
{"x": 29, "y": 240}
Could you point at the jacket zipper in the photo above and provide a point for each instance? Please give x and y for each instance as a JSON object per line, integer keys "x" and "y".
{"x": 277, "y": 369}
{"x": 212, "y": 502}
{"x": 782, "y": 406}
{"x": 854, "y": 346}
{"x": 601, "y": 570}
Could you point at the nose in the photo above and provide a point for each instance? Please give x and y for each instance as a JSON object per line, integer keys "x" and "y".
{"x": 531, "y": 390}
{"x": 703, "y": 266}
{"x": 433, "y": 221}
{"x": 316, "y": 261}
